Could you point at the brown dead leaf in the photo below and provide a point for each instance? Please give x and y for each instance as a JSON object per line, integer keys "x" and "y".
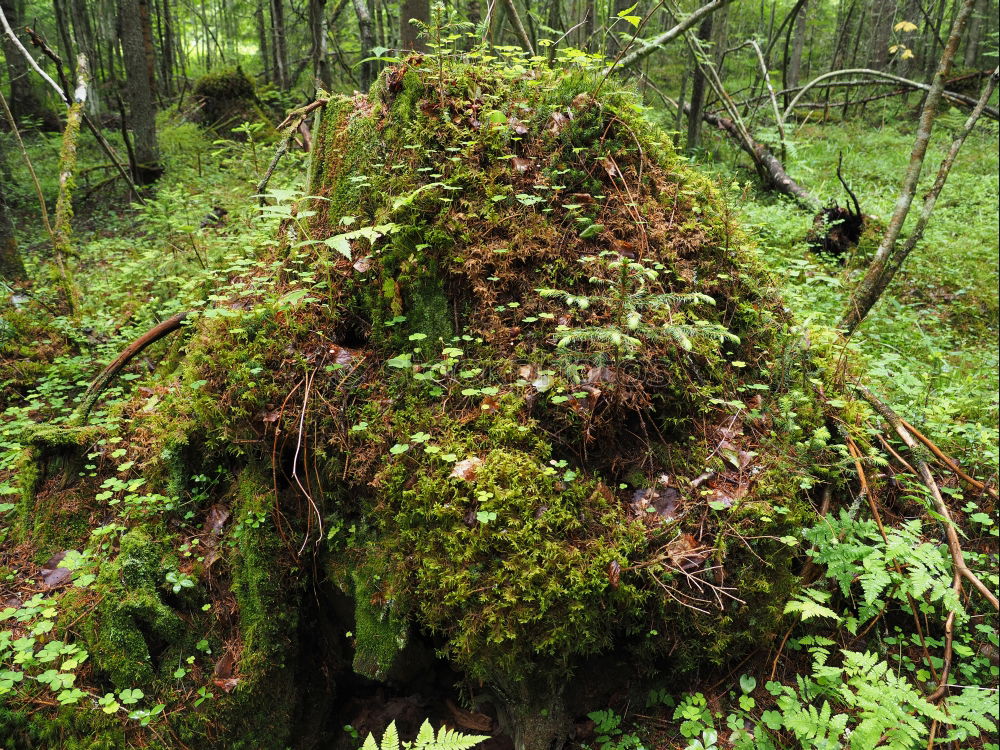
{"x": 342, "y": 355}
{"x": 466, "y": 469}
{"x": 216, "y": 519}
{"x": 363, "y": 264}
{"x": 469, "y": 720}
{"x": 517, "y": 126}
{"x": 228, "y": 684}
{"x": 614, "y": 573}
{"x": 521, "y": 164}
{"x": 558, "y": 122}
{"x": 686, "y": 553}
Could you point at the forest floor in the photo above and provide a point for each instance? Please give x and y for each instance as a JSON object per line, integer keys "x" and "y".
{"x": 930, "y": 346}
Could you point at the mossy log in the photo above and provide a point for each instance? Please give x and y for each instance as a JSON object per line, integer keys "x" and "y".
{"x": 519, "y": 394}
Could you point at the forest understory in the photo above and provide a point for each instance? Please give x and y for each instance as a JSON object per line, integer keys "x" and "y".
{"x": 499, "y": 406}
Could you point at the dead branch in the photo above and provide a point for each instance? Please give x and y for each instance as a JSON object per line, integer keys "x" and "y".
{"x": 954, "y": 545}
{"x": 101, "y": 382}
{"x": 949, "y": 462}
{"x": 968, "y": 101}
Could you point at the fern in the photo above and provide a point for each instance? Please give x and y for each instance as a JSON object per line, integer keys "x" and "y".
{"x": 445, "y": 739}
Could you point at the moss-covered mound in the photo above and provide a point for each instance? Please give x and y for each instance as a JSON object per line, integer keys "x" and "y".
{"x": 226, "y": 99}
{"x": 511, "y": 388}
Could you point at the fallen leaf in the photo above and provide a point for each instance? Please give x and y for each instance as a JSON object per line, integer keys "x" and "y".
{"x": 216, "y": 519}
{"x": 521, "y": 164}
{"x": 473, "y": 721}
{"x": 466, "y": 469}
{"x": 363, "y": 264}
{"x": 56, "y": 577}
{"x": 614, "y": 573}
{"x": 227, "y": 685}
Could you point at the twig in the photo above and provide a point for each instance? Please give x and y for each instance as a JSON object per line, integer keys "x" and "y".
{"x": 954, "y": 545}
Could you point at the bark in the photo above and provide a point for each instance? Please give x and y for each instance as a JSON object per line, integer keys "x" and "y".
{"x": 139, "y": 94}
{"x": 875, "y": 281}
{"x": 25, "y": 99}
{"x": 798, "y": 44}
{"x": 515, "y": 20}
{"x": 262, "y": 45}
{"x": 149, "y": 50}
{"x": 419, "y": 10}
{"x": 951, "y": 96}
{"x": 65, "y": 43}
{"x": 866, "y": 296}
{"x": 883, "y": 13}
{"x": 366, "y": 30}
{"x": 168, "y": 62}
{"x": 975, "y": 33}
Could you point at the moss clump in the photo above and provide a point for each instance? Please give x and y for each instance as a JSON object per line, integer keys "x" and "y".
{"x": 227, "y": 99}
{"x": 134, "y": 634}
{"x": 484, "y": 398}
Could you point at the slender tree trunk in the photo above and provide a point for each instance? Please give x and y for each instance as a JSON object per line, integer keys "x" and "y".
{"x": 366, "y": 31}
{"x": 975, "y": 33}
{"x": 262, "y": 45}
{"x": 167, "y": 49}
{"x": 698, "y": 88}
{"x": 878, "y": 51}
{"x": 882, "y": 268}
{"x": 419, "y": 10}
{"x": 65, "y": 42}
{"x": 317, "y": 27}
{"x": 148, "y": 48}
{"x": 798, "y": 44}
{"x": 900, "y": 254}
{"x": 11, "y": 263}
{"x": 25, "y": 100}
{"x": 139, "y": 93}
{"x": 279, "y": 44}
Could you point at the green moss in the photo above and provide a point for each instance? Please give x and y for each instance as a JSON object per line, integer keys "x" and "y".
{"x": 134, "y": 634}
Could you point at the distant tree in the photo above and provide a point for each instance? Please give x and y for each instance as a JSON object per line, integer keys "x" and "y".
{"x": 25, "y": 100}
{"x": 409, "y": 35}
{"x": 138, "y": 91}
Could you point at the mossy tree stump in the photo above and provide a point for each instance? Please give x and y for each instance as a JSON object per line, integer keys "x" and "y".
{"x": 521, "y": 391}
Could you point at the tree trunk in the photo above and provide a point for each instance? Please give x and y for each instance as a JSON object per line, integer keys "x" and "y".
{"x": 279, "y": 46}
{"x": 139, "y": 93}
{"x": 419, "y": 10}
{"x": 366, "y": 30}
{"x": 262, "y": 46}
{"x": 11, "y": 263}
{"x": 876, "y": 279}
{"x": 883, "y": 12}
{"x": 975, "y": 33}
{"x": 798, "y": 44}
{"x": 167, "y": 49}
{"x": 320, "y": 59}
{"x": 148, "y": 48}
{"x": 25, "y": 100}
{"x": 65, "y": 43}
{"x": 698, "y": 91}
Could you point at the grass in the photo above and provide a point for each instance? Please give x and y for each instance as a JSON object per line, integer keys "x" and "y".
{"x": 930, "y": 345}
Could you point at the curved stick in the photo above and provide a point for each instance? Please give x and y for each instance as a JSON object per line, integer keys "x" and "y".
{"x": 154, "y": 334}
{"x": 989, "y": 111}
